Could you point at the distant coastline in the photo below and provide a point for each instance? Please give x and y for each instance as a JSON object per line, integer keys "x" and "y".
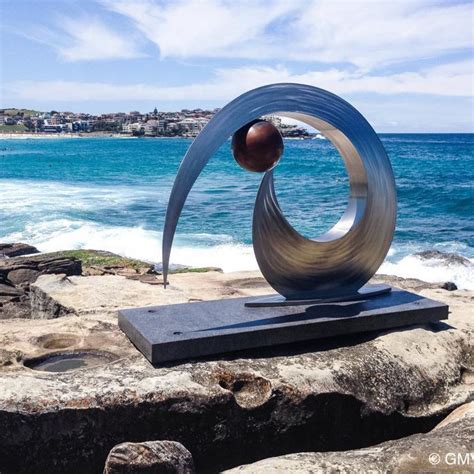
{"x": 47, "y": 136}
{"x": 26, "y": 123}
{"x": 41, "y": 136}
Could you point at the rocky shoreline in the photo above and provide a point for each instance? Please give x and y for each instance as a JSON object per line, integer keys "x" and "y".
{"x": 345, "y": 395}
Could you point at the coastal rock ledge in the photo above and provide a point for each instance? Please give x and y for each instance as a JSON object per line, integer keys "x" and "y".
{"x": 448, "y": 447}
{"x": 341, "y": 394}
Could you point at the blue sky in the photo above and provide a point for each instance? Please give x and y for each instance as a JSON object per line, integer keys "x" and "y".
{"x": 406, "y": 65}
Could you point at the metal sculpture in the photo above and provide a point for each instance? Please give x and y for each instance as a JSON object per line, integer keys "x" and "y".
{"x": 339, "y": 263}
{"x": 321, "y": 281}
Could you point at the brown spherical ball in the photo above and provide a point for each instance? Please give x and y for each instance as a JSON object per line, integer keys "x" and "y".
{"x": 257, "y": 146}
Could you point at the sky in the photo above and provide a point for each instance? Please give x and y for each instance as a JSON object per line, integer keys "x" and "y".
{"x": 406, "y": 65}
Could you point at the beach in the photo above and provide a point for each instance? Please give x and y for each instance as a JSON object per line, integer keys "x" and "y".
{"x": 48, "y": 136}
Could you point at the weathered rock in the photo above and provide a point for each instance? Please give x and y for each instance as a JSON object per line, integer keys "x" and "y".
{"x": 101, "y": 262}
{"x": 25, "y": 270}
{"x": 340, "y": 394}
{"x": 16, "y": 250}
{"x": 67, "y": 266}
{"x": 15, "y": 308}
{"x": 178, "y": 268}
{"x": 16, "y": 275}
{"x": 153, "y": 457}
{"x": 173, "y": 267}
{"x": 404, "y": 283}
{"x": 43, "y": 306}
{"x": 447, "y": 257}
{"x": 449, "y": 286}
{"x": 449, "y": 447}
{"x": 56, "y": 295}
{"x": 9, "y": 290}
{"x": 107, "y": 294}
{"x": 460, "y": 413}
{"x": 13, "y": 301}
{"x": 22, "y": 276}
{"x": 149, "y": 278}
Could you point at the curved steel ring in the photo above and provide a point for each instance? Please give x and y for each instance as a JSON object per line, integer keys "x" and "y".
{"x": 339, "y": 262}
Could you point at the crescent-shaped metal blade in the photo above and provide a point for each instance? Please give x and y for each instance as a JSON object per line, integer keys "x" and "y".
{"x": 347, "y": 256}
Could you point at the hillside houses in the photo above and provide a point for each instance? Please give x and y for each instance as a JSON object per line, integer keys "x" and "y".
{"x": 185, "y": 123}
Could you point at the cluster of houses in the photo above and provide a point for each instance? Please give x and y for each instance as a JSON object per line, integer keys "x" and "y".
{"x": 186, "y": 123}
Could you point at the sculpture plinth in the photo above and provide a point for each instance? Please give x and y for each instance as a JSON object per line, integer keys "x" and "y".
{"x": 332, "y": 269}
{"x": 189, "y": 330}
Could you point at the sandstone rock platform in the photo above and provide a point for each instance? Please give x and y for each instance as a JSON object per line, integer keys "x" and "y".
{"x": 340, "y": 394}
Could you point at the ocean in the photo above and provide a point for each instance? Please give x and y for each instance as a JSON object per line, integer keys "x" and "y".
{"x": 111, "y": 194}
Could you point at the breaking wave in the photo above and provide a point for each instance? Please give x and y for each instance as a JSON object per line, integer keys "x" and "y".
{"x": 221, "y": 250}
{"x": 196, "y": 250}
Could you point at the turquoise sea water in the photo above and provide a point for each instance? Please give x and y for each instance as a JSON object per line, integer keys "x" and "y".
{"x": 111, "y": 193}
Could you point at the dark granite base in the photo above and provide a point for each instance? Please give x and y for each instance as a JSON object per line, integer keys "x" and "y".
{"x": 181, "y": 331}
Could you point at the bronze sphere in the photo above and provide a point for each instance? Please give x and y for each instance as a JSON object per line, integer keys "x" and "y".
{"x": 257, "y": 146}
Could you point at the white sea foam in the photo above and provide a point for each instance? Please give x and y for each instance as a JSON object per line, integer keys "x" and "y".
{"x": 229, "y": 257}
{"x": 45, "y": 197}
{"x": 431, "y": 270}
{"x": 219, "y": 250}
{"x": 197, "y": 250}
{"x": 64, "y": 234}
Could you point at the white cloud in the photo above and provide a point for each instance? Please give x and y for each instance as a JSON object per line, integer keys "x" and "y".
{"x": 454, "y": 79}
{"x": 364, "y": 33}
{"x": 370, "y": 33}
{"x": 86, "y": 39}
{"x": 206, "y": 28}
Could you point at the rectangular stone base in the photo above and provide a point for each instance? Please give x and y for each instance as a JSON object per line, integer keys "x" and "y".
{"x": 181, "y": 331}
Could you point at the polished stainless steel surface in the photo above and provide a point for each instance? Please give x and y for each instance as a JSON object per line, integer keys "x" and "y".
{"x": 339, "y": 262}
